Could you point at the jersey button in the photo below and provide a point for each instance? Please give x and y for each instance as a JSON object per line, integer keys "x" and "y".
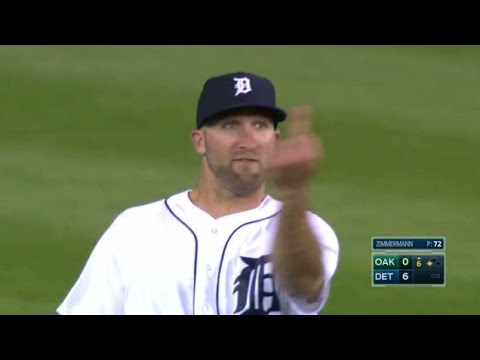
{"x": 209, "y": 267}
{"x": 214, "y": 231}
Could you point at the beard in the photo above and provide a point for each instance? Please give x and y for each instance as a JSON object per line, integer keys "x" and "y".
{"x": 238, "y": 181}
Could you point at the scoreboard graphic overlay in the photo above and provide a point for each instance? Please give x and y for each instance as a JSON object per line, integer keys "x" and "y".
{"x": 408, "y": 261}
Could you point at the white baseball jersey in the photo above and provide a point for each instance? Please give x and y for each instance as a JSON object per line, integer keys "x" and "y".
{"x": 171, "y": 257}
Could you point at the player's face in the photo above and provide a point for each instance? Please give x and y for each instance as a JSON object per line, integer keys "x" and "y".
{"x": 238, "y": 148}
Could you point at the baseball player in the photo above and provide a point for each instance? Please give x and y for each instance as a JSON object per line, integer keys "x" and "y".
{"x": 224, "y": 247}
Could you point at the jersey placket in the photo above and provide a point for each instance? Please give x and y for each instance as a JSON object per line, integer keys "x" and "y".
{"x": 210, "y": 246}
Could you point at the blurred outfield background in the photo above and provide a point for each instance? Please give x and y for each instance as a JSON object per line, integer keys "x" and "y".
{"x": 86, "y": 131}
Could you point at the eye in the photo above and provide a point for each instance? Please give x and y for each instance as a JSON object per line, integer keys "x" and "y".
{"x": 229, "y": 125}
{"x": 262, "y": 124}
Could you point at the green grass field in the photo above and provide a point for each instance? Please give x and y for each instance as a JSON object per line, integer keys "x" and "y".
{"x": 86, "y": 131}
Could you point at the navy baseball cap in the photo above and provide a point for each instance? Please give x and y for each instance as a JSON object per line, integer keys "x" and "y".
{"x": 236, "y": 91}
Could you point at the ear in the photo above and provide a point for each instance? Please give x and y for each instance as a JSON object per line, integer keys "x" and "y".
{"x": 198, "y": 141}
{"x": 277, "y": 135}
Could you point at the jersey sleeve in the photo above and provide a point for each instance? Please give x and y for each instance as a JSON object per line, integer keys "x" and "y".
{"x": 329, "y": 244}
{"x": 98, "y": 289}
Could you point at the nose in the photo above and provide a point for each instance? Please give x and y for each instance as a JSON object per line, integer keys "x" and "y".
{"x": 247, "y": 138}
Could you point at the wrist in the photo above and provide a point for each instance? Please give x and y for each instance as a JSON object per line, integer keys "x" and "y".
{"x": 292, "y": 194}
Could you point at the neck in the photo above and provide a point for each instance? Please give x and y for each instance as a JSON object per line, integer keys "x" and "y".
{"x": 217, "y": 201}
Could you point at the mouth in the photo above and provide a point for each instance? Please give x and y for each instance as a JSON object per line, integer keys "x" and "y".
{"x": 246, "y": 160}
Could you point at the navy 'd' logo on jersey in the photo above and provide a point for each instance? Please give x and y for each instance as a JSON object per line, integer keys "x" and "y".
{"x": 255, "y": 288}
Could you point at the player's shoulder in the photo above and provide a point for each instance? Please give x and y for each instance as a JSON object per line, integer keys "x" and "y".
{"x": 314, "y": 218}
{"x": 317, "y": 220}
{"x": 147, "y": 211}
{"x": 141, "y": 210}
{"x": 325, "y": 229}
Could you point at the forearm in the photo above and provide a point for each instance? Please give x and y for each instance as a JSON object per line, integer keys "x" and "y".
{"x": 296, "y": 253}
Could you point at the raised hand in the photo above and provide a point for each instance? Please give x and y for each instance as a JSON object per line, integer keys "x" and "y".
{"x": 296, "y": 158}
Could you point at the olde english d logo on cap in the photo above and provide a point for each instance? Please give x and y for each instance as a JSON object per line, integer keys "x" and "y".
{"x": 242, "y": 85}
